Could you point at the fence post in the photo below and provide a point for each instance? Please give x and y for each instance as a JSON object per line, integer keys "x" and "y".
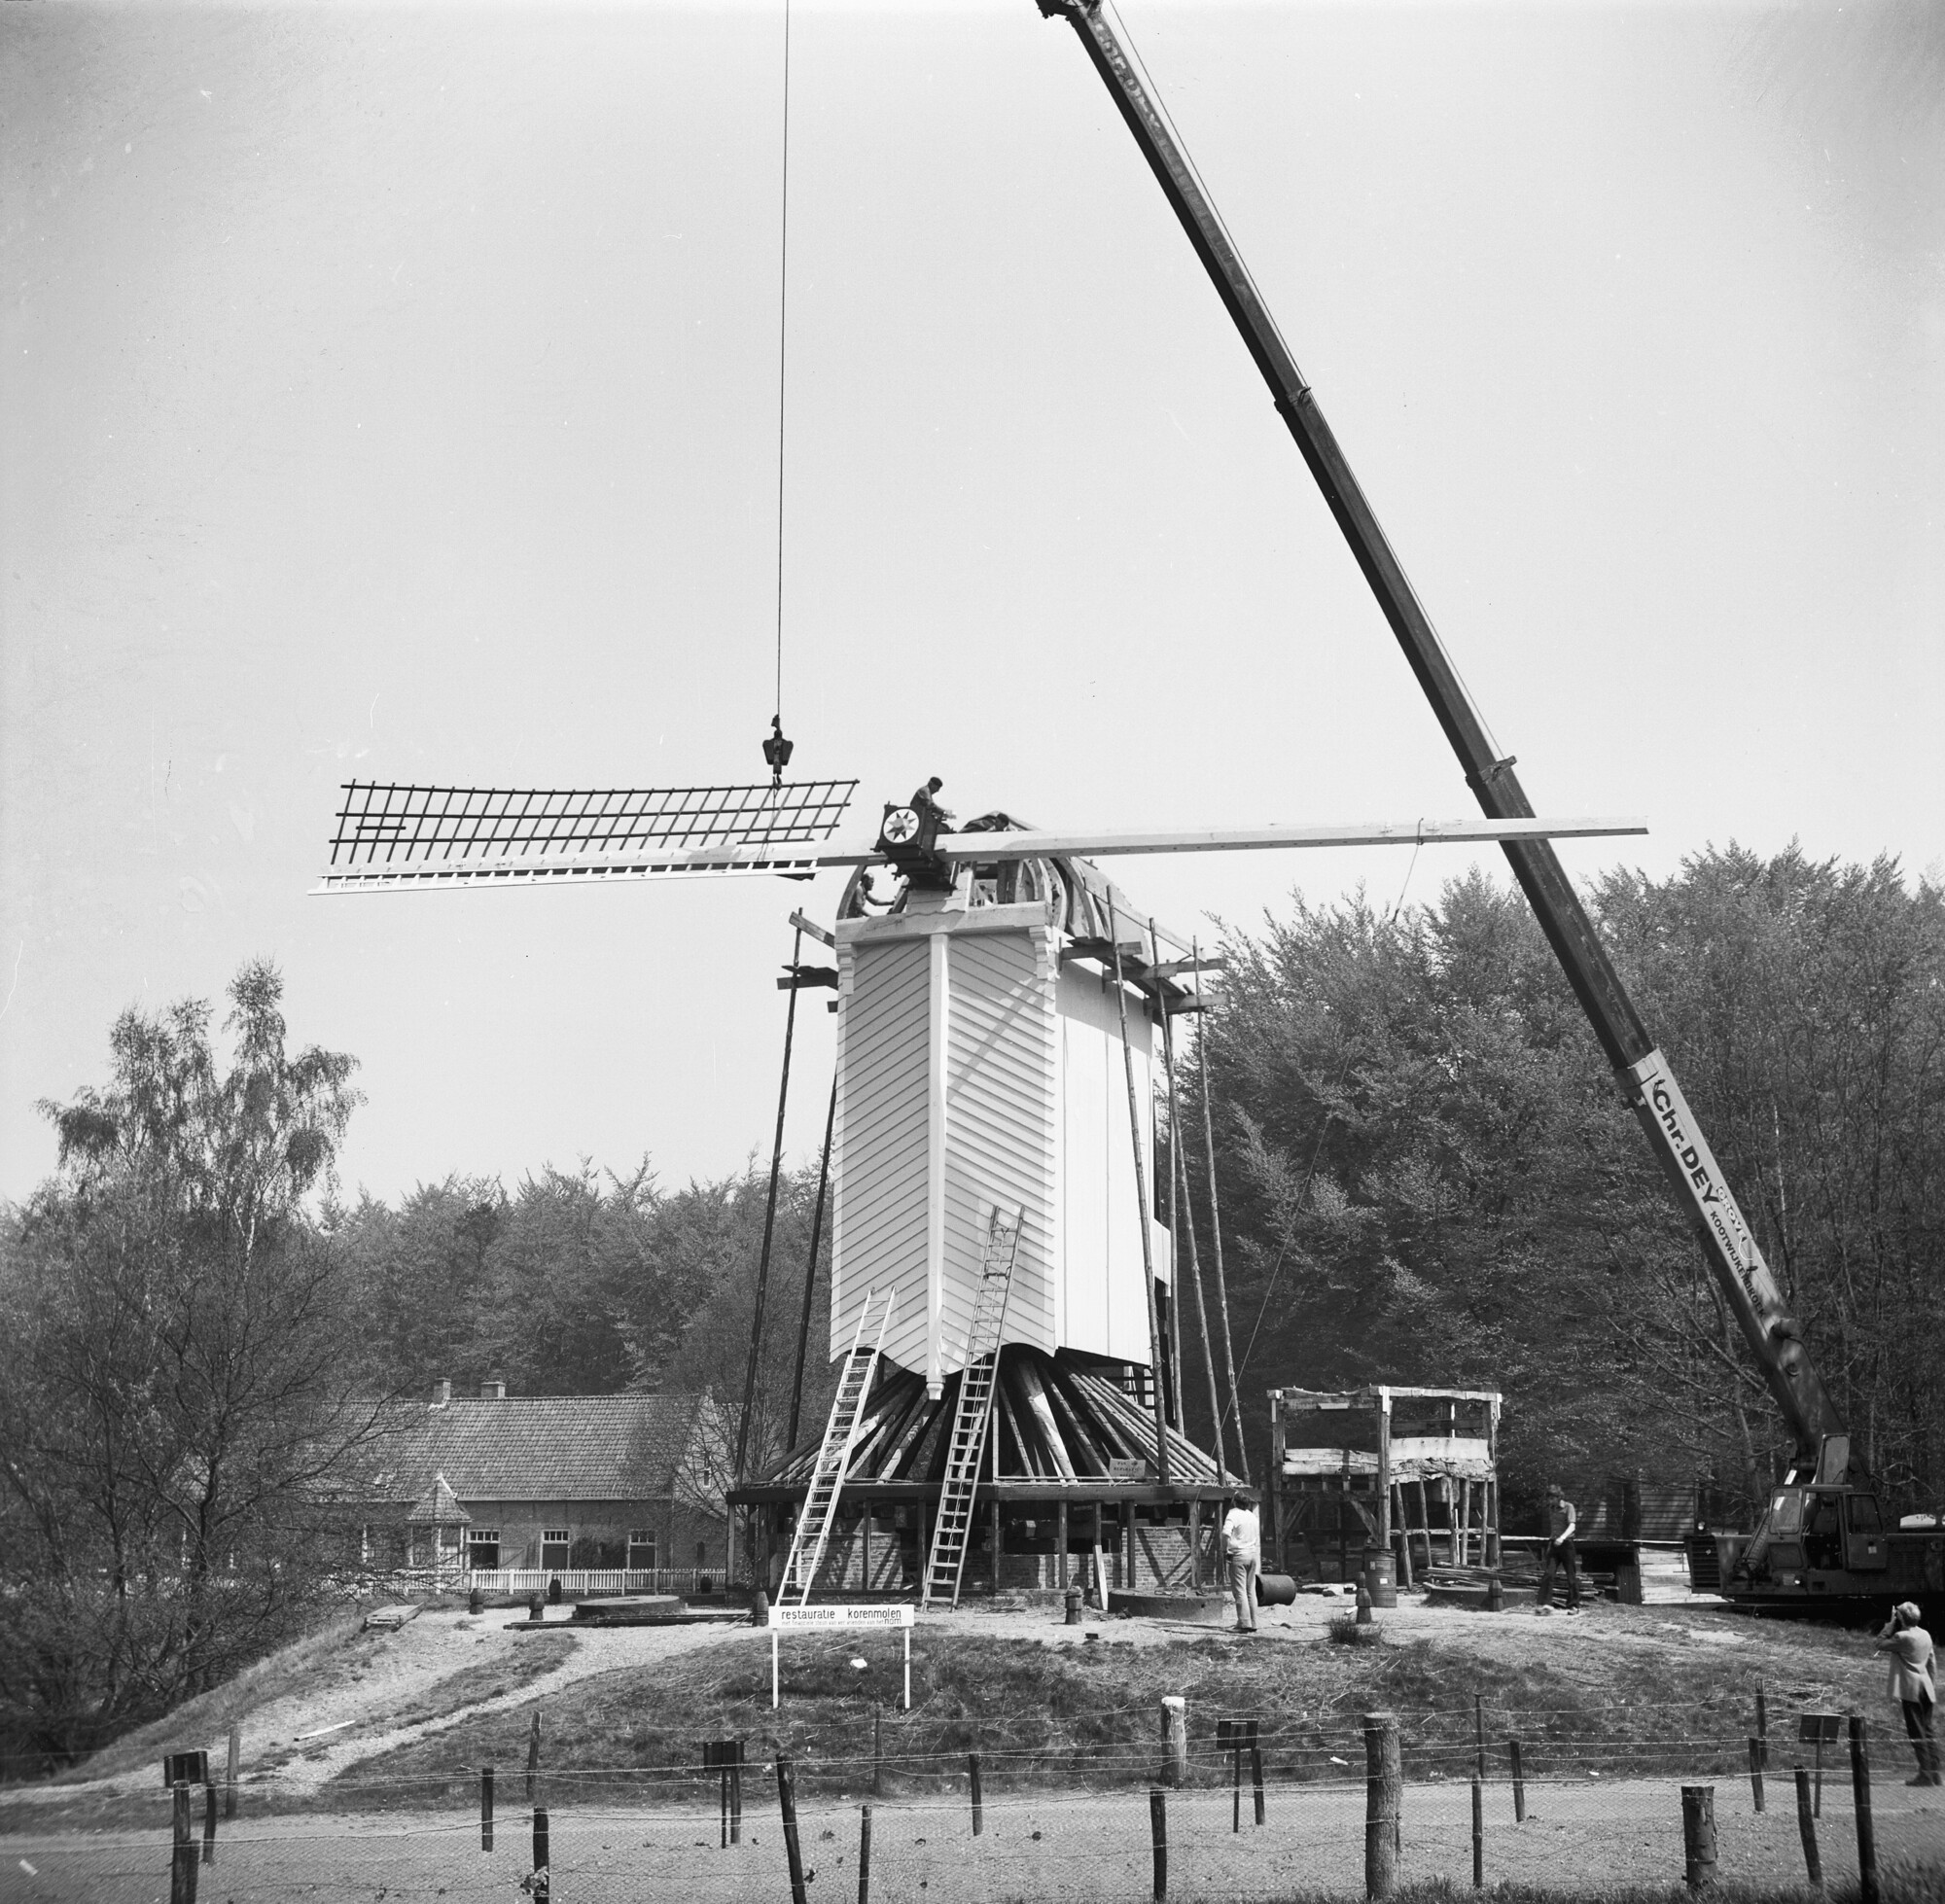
{"x": 1806, "y": 1825}
{"x": 1698, "y": 1835}
{"x": 1519, "y": 1782}
{"x": 1478, "y": 1832}
{"x": 1158, "y": 1838}
{"x": 736, "y": 1795}
{"x": 182, "y": 1849}
{"x": 543, "y": 1857}
{"x": 1860, "y": 1792}
{"x": 1762, "y": 1724}
{"x": 792, "y": 1850}
{"x": 236, "y": 1767}
{"x": 1756, "y": 1770}
{"x": 1384, "y": 1804}
{"x": 1175, "y": 1735}
{"x": 864, "y": 1857}
{"x": 533, "y": 1756}
{"x": 1256, "y": 1768}
{"x": 209, "y": 1824}
{"x": 978, "y": 1798}
{"x": 1480, "y": 1735}
{"x": 878, "y": 1750}
{"x": 485, "y": 1808}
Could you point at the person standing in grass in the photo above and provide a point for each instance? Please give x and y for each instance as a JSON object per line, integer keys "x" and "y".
{"x": 1559, "y": 1551}
{"x": 1243, "y": 1556}
{"x": 1913, "y": 1685}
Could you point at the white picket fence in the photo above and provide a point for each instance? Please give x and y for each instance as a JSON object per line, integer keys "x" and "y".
{"x": 592, "y": 1579}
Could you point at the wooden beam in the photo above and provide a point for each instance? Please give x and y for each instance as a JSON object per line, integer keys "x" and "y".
{"x": 1175, "y": 967}
{"x": 804, "y": 862}
{"x": 1374, "y": 833}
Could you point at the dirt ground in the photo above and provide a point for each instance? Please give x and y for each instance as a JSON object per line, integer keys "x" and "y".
{"x": 1063, "y": 1847}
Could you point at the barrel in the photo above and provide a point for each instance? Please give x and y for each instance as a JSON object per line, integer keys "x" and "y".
{"x": 1381, "y": 1577}
{"x": 1275, "y": 1590}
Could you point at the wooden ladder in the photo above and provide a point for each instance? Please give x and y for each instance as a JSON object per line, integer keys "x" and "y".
{"x": 833, "y": 1456}
{"x": 972, "y": 1416}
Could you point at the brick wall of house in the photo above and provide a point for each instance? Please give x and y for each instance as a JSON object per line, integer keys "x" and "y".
{"x": 893, "y": 1558}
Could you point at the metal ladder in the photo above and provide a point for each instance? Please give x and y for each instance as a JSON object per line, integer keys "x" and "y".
{"x": 974, "y": 1414}
{"x": 833, "y": 1457}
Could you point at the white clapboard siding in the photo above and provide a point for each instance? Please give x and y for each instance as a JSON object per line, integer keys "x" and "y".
{"x": 1104, "y": 1297}
{"x": 999, "y": 1129}
{"x": 880, "y": 1167}
{"x": 1030, "y": 1110}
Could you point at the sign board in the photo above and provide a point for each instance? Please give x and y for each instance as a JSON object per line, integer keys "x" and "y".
{"x": 719, "y": 1754}
{"x": 825, "y": 1619}
{"x": 830, "y": 1616}
{"x": 186, "y": 1769}
{"x": 1820, "y": 1728}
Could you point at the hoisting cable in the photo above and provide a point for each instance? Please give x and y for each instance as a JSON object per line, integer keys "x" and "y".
{"x": 810, "y": 1272}
{"x": 1145, "y": 1209}
{"x": 776, "y": 749}
{"x": 1179, "y": 1183}
{"x": 769, "y": 1226}
{"x": 1216, "y": 1230}
{"x": 1177, "y": 1403}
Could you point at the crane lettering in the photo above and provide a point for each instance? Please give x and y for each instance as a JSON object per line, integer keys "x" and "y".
{"x": 1661, "y": 1096}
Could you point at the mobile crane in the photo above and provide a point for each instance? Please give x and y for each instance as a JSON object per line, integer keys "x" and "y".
{"x": 1822, "y": 1536}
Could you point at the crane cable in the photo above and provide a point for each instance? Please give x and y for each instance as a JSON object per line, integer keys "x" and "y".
{"x": 778, "y": 746}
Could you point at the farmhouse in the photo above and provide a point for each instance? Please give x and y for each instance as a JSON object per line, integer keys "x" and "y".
{"x": 509, "y": 1491}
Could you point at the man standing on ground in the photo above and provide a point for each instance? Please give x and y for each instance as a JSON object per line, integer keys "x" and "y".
{"x": 1913, "y": 1686}
{"x": 1559, "y": 1550}
{"x": 1243, "y": 1556}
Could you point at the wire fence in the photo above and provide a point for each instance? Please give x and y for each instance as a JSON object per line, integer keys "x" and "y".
{"x": 1183, "y": 1815}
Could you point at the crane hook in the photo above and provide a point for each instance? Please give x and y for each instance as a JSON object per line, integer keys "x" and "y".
{"x": 777, "y": 751}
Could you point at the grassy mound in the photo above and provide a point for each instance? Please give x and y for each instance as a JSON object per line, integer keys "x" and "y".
{"x": 1088, "y": 1713}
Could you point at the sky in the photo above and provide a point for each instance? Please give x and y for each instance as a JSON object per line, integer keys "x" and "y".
{"x": 394, "y": 392}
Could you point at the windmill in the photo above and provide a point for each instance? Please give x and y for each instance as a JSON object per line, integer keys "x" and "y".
{"x": 1003, "y": 1296}
{"x": 1006, "y": 1303}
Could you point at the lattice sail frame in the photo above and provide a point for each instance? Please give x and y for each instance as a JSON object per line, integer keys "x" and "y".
{"x": 391, "y": 837}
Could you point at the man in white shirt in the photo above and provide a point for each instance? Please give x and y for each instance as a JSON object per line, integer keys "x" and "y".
{"x": 1913, "y": 1686}
{"x": 1243, "y": 1556}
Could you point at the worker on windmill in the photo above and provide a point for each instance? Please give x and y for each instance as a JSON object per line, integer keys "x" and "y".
{"x": 925, "y": 803}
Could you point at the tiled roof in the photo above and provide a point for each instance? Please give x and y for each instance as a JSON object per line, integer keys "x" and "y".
{"x": 438, "y": 1506}
{"x": 542, "y": 1447}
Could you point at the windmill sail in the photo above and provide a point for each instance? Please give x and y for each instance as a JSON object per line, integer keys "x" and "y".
{"x": 429, "y": 838}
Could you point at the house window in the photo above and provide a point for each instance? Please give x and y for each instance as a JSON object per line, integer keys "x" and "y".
{"x": 554, "y": 1544}
{"x": 640, "y": 1549}
{"x": 483, "y": 1549}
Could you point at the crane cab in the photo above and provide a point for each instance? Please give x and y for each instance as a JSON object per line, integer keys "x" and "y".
{"x": 1821, "y": 1535}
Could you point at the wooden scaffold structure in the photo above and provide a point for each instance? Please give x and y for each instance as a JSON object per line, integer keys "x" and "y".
{"x": 1409, "y": 1472}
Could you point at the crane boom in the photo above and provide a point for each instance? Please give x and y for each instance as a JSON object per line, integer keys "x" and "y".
{"x": 1647, "y": 1080}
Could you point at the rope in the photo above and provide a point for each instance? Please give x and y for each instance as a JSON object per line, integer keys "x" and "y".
{"x": 769, "y": 1222}
{"x": 783, "y": 340}
{"x": 810, "y": 1272}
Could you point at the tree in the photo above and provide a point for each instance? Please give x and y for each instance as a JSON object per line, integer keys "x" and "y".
{"x": 178, "y": 1407}
{"x": 1427, "y": 1176}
